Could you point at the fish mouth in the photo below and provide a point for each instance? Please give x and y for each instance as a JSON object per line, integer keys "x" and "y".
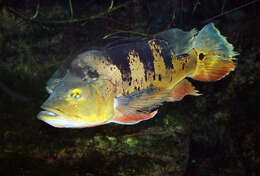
{"x": 55, "y": 118}
{"x": 51, "y": 118}
{"x": 48, "y": 114}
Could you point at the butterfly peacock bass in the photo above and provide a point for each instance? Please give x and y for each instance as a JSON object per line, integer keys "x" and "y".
{"x": 127, "y": 80}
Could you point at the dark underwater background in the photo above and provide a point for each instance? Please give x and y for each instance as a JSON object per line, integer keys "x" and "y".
{"x": 216, "y": 134}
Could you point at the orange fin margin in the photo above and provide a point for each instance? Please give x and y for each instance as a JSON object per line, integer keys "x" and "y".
{"x": 133, "y": 118}
{"x": 181, "y": 89}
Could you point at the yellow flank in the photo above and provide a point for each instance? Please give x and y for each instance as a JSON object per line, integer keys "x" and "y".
{"x": 183, "y": 67}
{"x": 169, "y": 77}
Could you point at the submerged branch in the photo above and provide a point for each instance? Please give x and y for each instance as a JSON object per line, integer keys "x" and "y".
{"x": 71, "y": 9}
{"x": 227, "y": 12}
{"x": 73, "y": 20}
{"x": 37, "y": 11}
{"x": 125, "y": 31}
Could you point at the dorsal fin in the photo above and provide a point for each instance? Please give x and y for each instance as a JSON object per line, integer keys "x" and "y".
{"x": 179, "y": 41}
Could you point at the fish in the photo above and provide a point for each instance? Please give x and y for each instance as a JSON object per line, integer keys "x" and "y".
{"x": 127, "y": 80}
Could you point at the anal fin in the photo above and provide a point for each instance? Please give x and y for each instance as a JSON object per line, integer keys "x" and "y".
{"x": 181, "y": 89}
{"x": 133, "y": 118}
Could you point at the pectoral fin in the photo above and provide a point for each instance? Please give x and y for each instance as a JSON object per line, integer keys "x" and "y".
{"x": 181, "y": 89}
{"x": 133, "y": 118}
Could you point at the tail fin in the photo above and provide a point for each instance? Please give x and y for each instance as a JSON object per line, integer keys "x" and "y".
{"x": 214, "y": 55}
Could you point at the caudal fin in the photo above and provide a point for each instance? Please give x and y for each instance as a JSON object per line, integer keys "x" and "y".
{"x": 215, "y": 55}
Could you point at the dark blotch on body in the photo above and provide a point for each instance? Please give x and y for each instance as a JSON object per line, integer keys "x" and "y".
{"x": 160, "y": 77}
{"x": 118, "y": 55}
{"x": 181, "y": 56}
{"x": 165, "y": 53}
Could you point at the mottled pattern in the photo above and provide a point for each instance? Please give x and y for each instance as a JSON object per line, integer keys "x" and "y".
{"x": 137, "y": 80}
{"x": 135, "y": 66}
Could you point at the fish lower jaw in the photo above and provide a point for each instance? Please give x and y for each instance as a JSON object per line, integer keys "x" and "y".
{"x": 55, "y": 120}
{"x": 49, "y": 113}
{"x": 60, "y": 121}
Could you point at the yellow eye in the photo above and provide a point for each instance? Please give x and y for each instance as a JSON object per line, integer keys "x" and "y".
{"x": 76, "y": 94}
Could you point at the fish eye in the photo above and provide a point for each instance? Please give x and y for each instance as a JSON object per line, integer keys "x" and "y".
{"x": 76, "y": 94}
{"x": 201, "y": 56}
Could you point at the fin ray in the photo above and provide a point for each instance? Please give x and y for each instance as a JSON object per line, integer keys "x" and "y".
{"x": 215, "y": 55}
{"x": 145, "y": 100}
{"x": 180, "y": 42}
{"x": 133, "y": 118}
{"x": 182, "y": 89}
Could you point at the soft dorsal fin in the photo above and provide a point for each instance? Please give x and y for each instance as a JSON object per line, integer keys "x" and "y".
{"x": 179, "y": 41}
{"x": 181, "y": 89}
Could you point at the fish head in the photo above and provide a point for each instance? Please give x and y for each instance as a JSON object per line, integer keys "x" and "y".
{"x": 78, "y": 104}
